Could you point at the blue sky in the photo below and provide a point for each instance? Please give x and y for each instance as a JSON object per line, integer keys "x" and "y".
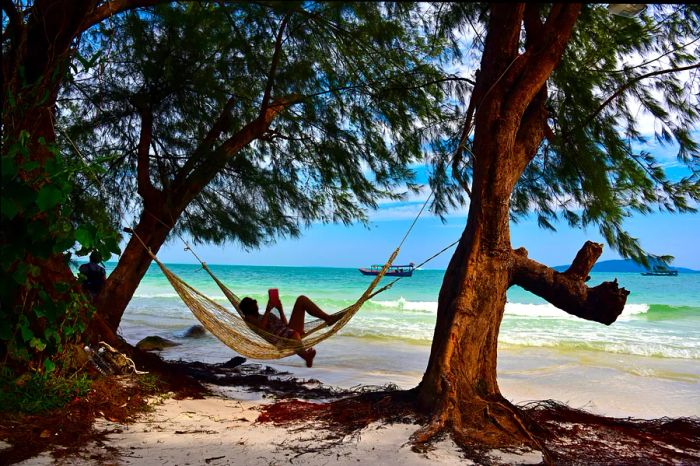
{"x": 360, "y": 246}
{"x": 357, "y": 246}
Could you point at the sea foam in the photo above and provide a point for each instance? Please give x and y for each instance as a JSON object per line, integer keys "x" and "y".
{"x": 512, "y": 309}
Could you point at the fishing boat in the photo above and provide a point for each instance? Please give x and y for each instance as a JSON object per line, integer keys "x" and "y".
{"x": 660, "y": 272}
{"x": 393, "y": 271}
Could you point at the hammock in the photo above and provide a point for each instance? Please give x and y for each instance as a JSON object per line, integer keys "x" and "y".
{"x": 249, "y": 340}
{"x": 252, "y": 341}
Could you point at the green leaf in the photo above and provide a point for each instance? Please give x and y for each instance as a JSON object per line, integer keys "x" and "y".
{"x": 84, "y": 237}
{"x": 26, "y": 332}
{"x": 23, "y": 195}
{"x": 11, "y": 99}
{"x": 49, "y": 196}
{"x": 23, "y": 137}
{"x": 9, "y": 167}
{"x": 20, "y": 274}
{"x": 49, "y": 366}
{"x": 51, "y": 334}
{"x": 37, "y": 344}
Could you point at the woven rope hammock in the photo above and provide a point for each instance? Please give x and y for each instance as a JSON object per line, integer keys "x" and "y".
{"x": 252, "y": 341}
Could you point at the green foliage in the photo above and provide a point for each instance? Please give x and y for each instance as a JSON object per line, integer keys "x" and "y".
{"x": 359, "y": 77}
{"x": 36, "y": 393}
{"x": 149, "y": 383}
{"x": 590, "y": 170}
{"x": 39, "y": 315}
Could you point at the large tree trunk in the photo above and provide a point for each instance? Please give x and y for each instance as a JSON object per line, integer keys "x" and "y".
{"x": 459, "y": 387}
{"x": 34, "y": 62}
{"x": 133, "y": 265}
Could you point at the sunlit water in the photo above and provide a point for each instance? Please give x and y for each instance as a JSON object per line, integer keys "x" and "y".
{"x": 653, "y": 347}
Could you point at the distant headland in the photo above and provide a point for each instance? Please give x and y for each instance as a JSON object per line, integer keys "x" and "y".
{"x": 624, "y": 265}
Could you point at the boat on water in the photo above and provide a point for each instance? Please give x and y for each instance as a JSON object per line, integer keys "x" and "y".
{"x": 660, "y": 272}
{"x": 393, "y": 271}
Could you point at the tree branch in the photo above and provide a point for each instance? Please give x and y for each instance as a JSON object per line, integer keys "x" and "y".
{"x": 545, "y": 47}
{"x": 533, "y": 128}
{"x": 627, "y": 85}
{"x": 568, "y": 291}
{"x": 15, "y": 23}
{"x": 109, "y": 9}
{"x": 193, "y": 183}
{"x": 144, "y": 186}
{"x": 273, "y": 66}
{"x": 221, "y": 124}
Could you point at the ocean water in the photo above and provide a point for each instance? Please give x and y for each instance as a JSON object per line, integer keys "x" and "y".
{"x": 656, "y": 339}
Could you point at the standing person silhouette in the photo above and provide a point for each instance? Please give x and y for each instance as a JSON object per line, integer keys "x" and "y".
{"x": 95, "y": 275}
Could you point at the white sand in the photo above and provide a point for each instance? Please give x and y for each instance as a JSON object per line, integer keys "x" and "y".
{"x": 221, "y": 429}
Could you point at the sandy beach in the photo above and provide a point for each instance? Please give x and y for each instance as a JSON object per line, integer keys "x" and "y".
{"x": 643, "y": 367}
{"x": 224, "y": 428}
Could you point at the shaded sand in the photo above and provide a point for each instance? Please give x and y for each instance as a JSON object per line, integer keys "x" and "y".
{"x": 221, "y": 430}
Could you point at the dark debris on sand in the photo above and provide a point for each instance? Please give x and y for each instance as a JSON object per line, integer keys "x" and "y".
{"x": 573, "y": 437}
{"x": 118, "y": 398}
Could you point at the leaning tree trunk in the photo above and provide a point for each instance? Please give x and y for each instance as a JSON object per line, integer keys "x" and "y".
{"x": 131, "y": 268}
{"x": 162, "y": 208}
{"x": 508, "y": 106}
{"x": 459, "y": 386}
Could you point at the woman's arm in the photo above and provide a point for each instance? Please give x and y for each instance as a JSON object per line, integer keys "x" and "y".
{"x": 265, "y": 319}
{"x": 274, "y": 302}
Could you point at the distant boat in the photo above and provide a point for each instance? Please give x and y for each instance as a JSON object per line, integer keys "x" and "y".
{"x": 660, "y": 272}
{"x": 392, "y": 271}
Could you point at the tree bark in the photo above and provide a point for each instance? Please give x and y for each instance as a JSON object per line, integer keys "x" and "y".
{"x": 33, "y": 67}
{"x": 459, "y": 388}
{"x": 163, "y": 208}
{"x": 132, "y": 266}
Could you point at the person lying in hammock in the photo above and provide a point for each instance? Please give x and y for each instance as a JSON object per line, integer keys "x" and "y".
{"x": 280, "y": 326}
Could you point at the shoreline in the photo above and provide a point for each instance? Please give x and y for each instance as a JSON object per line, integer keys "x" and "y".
{"x": 607, "y": 384}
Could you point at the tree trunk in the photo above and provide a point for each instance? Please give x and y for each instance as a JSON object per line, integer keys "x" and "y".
{"x": 459, "y": 388}
{"x": 163, "y": 208}
{"x": 33, "y": 67}
{"x": 133, "y": 265}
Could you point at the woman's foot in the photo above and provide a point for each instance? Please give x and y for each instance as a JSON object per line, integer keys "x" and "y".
{"x": 309, "y": 356}
{"x": 333, "y": 318}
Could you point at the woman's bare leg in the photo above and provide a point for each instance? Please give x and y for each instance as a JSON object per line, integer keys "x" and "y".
{"x": 301, "y": 307}
{"x": 308, "y": 356}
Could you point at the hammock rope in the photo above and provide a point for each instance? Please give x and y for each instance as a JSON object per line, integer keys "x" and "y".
{"x": 252, "y": 341}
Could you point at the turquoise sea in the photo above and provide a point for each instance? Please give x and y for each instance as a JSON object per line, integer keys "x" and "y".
{"x": 657, "y": 337}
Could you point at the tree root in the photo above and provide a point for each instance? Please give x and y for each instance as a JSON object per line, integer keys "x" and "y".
{"x": 429, "y": 432}
{"x": 480, "y": 426}
{"x": 561, "y": 434}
